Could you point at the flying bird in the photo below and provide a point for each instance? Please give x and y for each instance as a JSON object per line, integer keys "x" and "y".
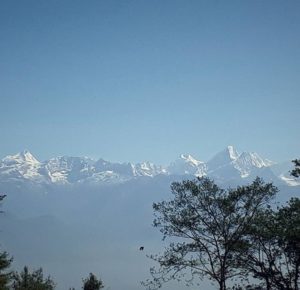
{"x": 141, "y": 248}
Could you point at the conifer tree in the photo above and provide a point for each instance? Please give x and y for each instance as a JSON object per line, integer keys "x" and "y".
{"x": 92, "y": 283}
{"x": 5, "y": 261}
{"x": 5, "y": 275}
{"x": 32, "y": 281}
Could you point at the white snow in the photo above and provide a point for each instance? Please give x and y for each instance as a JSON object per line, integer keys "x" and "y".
{"x": 226, "y": 164}
{"x": 233, "y": 154}
{"x": 290, "y": 181}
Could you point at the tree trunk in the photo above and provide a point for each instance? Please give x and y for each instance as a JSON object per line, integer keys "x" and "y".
{"x": 222, "y": 285}
{"x": 222, "y": 282}
{"x": 296, "y": 277}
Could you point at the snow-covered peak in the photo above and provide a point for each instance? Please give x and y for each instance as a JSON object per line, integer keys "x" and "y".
{"x": 20, "y": 158}
{"x": 187, "y": 164}
{"x": 68, "y": 169}
{"x": 252, "y": 158}
{"x": 147, "y": 169}
{"x": 23, "y": 165}
{"x": 190, "y": 159}
{"x": 148, "y": 166}
{"x": 225, "y": 165}
{"x": 269, "y": 162}
{"x": 248, "y": 162}
{"x": 222, "y": 158}
{"x": 233, "y": 154}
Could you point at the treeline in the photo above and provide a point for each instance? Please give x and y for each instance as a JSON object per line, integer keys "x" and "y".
{"x": 35, "y": 280}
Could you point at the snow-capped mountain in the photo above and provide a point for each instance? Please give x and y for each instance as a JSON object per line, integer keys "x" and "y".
{"x": 69, "y": 170}
{"x": 226, "y": 166}
{"x": 187, "y": 164}
{"x": 66, "y": 169}
{"x": 229, "y": 164}
{"x": 147, "y": 169}
{"x": 222, "y": 158}
{"x": 21, "y": 166}
{"x": 283, "y": 171}
{"x": 246, "y": 162}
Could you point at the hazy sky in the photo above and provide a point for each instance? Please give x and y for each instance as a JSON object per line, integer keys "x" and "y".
{"x": 147, "y": 80}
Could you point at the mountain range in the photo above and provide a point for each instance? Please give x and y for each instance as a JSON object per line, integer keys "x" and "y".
{"x": 226, "y": 166}
{"x": 75, "y": 215}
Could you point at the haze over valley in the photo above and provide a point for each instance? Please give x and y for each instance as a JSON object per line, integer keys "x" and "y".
{"x": 69, "y": 214}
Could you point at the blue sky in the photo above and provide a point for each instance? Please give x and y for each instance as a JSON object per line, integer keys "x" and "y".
{"x": 148, "y": 80}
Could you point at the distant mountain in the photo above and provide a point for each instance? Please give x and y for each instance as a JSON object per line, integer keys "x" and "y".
{"x": 226, "y": 166}
{"x": 222, "y": 158}
{"x": 186, "y": 164}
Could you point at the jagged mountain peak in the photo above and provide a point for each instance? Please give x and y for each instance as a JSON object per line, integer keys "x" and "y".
{"x": 252, "y": 158}
{"x": 225, "y": 165}
{"x": 222, "y": 158}
{"x": 187, "y": 164}
{"x": 21, "y": 157}
{"x": 190, "y": 159}
{"x": 147, "y": 169}
{"x": 233, "y": 154}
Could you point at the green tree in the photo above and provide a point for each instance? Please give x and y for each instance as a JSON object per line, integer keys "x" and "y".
{"x": 296, "y": 171}
{"x": 32, "y": 281}
{"x": 288, "y": 218}
{"x": 206, "y": 226}
{"x": 2, "y": 196}
{"x": 5, "y": 261}
{"x": 92, "y": 283}
{"x": 273, "y": 253}
{"x": 5, "y": 275}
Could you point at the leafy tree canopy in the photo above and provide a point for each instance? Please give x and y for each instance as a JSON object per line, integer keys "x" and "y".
{"x": 206, "y": 225}
{"x": 273, "y": 252}
{"x": 296, "y": 171}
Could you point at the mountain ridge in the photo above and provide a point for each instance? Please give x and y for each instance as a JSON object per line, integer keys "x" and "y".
{"x": 227, "y": 164}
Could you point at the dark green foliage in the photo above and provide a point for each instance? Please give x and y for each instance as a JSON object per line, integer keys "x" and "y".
{"x": 273, "y": 252}
{"x": 296, "y": 171}
{"x": 206, "y": 225}
{"x": 5, "y": 262}
{"x": 2, "y": 196}
{"x": 273, "y": 255}
{"x": 5, "y": 275}
{"x": 32, "y": 281}
{"x": 92, "y": 283}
